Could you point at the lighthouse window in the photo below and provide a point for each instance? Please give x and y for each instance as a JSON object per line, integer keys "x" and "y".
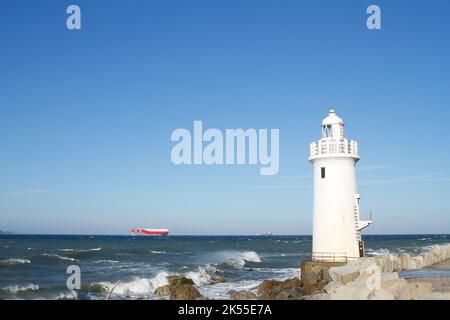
{"x": 327, "y": 131}
{"x": 322, "y": 173}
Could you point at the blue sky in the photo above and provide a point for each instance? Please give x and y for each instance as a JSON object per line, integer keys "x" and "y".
{"x": 86, "y": 116}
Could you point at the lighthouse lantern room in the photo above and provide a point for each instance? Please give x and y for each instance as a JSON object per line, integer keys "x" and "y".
{"x": 336, "y": 217}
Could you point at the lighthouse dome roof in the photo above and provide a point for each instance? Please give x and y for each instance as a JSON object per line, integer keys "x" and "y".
{"x": 332, "y": 118}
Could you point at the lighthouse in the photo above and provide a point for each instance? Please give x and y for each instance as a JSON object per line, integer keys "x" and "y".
{"x": 336, "y": 217}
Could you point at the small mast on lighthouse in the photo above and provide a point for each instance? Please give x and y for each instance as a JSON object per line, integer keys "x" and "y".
{"x": 336, "y": 219}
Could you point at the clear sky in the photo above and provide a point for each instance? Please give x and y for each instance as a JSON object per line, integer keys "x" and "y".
{"x": 86, "y": 116}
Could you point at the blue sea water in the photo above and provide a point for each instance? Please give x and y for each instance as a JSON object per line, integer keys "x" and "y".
{"x": 34, "y": 266}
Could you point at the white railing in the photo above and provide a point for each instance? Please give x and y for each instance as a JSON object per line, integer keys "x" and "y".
{"x": 334, "y": 147}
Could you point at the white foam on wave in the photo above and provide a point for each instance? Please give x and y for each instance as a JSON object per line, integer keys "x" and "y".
{"x": 237, "y": 259}
{"x": 59, "y": 257}
{"x": 379, "y": 252}
{"x": 14, "y": 261}
{"x": 221, "y": 291}
{"x": 16, "y": 289}
{"x": 71, "y": 295}
{"x": 204, "y": 275}
{"x": 80, "y": 250}
{"x": 137, "y": 287}
{"x": 106, "y": 261}
{"x": 280, "y": 273}
{"x": 157, "y": 252}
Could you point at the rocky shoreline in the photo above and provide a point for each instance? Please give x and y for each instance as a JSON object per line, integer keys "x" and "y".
{"x": 371, "y": 278}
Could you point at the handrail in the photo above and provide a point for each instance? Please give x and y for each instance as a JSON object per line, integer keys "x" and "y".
{"x": 333, "y": 147}
{"x": 327, "y": 257}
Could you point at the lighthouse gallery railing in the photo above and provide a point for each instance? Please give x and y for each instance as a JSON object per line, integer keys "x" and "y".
{"x": 334, "y": 146}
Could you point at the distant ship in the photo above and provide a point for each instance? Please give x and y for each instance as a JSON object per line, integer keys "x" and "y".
{"x": 267, "y": 234}
{"x": 149, "y": 232}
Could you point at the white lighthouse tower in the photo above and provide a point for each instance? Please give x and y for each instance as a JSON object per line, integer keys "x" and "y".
{"x": 336, "y": 220}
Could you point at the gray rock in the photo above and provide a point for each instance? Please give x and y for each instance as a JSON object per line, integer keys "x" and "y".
{"x": 415, "y": 290}
{"x": 184, "y": 292}
{"x": 163, "y": 291}
{"x": 381, "y": 294}
{"x": 344, "y": 274}
{"x": 396, "y": 287}
{"x": 178, "y": 280}
{"x": 244, "y": 295}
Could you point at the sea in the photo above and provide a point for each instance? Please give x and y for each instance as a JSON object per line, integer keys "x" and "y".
{"x": 35, "y": 266}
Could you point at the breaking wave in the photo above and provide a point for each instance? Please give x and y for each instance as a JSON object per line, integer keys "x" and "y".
{"x": 16, "y": 289}
{"x": 10, "y": 262}
{"x": 106, "y": 261}
{"x": 71, "y": 295}
{"x": 238, "y": 259}
{"x": 80, "y": 250}
{"x": 58, "y": 257}
{"x": 204, "y": 275}
{"x": 137, "y": 287}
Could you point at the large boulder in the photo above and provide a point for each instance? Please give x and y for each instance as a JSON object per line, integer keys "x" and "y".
{"x": 437, "y": 250}
{"x": 217, "y": 280}
{"x": 266, "y": 287}
{"x": 365, "y": 264}
{"x": 244, "y": 295}
{"x": 387, "y": 276}
{"x": 344, "y": 274}
{"x": 163, "y": 291}
{"x": 178, "y": 280}
{"x": 436, "y": 296}
{"x": 332, "y": 286}
{"x": 351, "y": 291}
{"x": 446, "y": 252}
{"x": 396, "y": 287}
{"x": 406, "y": 262}
{"x": 381, "y": 294}
{"x": 419, "y": 261}
{"x": 415, "y": 290}
{"x": 318, "y": 296}
{"x": 281, "y": 290}
{"x": 184, "y": 292}
{"x": 315, "y": 274}
{"x": 292, "y": 294}
{"x": 291, "y": 283}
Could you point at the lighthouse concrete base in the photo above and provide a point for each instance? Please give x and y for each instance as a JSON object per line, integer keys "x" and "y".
{"x": 315, "y": 274}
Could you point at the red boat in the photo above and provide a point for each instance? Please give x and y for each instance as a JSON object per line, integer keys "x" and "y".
{"x": 149, "y": 232}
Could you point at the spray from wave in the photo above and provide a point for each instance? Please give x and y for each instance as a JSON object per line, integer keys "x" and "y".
{"x": 137, "y": 287}
{"x": 204, "y": 275}
{"x": 237, "y": 259}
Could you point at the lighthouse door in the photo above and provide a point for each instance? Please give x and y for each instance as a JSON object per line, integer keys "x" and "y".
{"x": 361, "y": 249}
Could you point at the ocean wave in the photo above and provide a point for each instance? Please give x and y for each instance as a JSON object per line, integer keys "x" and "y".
{"x": 280, "y": 273}
{"x": 221, "y": 291}
{"x": 204, "y": 275}
{"x": 237, "y": 259}
{"x": 71, "y": 295}
{"x": 158, "y": 252}
{"x": 137, "y": 287}
{"x": 11, "y": 262}
{"x": 16, "y": 289}
{"x": 59, "y": 257}
{"x": 81, "y": 250}
{"x": 106, "y": 261}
